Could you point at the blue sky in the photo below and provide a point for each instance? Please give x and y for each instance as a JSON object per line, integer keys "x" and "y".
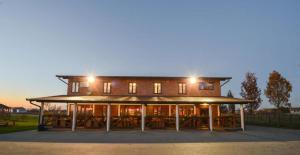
{"x": 39, "y": 39}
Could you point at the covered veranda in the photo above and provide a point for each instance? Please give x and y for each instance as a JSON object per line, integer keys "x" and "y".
{"x": 142, "y": 112}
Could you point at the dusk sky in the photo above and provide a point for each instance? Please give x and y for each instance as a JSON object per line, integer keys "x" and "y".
{"x": 39, "y": 39}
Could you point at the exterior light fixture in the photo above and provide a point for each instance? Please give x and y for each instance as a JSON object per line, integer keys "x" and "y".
{"x": 91, "y": 79}
{"x": 193, "y": 80}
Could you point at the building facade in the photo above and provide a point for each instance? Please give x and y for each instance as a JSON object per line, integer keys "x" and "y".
{"x": 143, "y": 102}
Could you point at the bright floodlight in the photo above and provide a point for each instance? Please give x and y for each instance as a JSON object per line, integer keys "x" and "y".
{"x": 193, "y": 80}
{"x": 91, "y": 79}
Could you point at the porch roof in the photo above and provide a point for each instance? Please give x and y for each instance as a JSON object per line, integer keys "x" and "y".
{"x": 139, "y": 99}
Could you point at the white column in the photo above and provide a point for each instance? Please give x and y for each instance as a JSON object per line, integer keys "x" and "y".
{"x": 108, "y": 118}
{"x": 242, "y": 117}
{"x": 177, "y": 117}
{"x": 170, "y": 110}
{"x": 210, "y": 118}
{"x": 74, "y": 117}
{"x": 94, "y": 108}
{"x": 42, "y": 113}
{"x": 119, "y": 110}
{"x": 68, "y": 109}
{"x": 143, "y": 117}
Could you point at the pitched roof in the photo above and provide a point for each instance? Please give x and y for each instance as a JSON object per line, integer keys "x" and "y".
{"x": 139, "y": 99}
{"x": 2, "y": 106}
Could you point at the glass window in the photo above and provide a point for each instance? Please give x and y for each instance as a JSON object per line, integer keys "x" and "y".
{"x": 75, "y": 87}
{"x": 157, "y": 88}
{"x": 132, "y": 88}
{"x": 206, "y": 86}
{"x": 107, "y": 87}
{"x": 181, "y": 88}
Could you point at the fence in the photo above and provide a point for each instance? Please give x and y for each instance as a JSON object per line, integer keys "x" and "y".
{"x": 274, "y": 119}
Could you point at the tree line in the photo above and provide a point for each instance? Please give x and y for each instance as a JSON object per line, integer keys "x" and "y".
{"x": 277, "y": 91}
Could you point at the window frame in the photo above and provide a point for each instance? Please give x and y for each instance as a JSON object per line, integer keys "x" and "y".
{"x": 154, "y": 88}
{"x": 208, "y": 85}
{"x": 107, "y": 87}
{"x": 183, "y": 88}
{"x": 75, "y": 87}
{"x": 132, "y": 85}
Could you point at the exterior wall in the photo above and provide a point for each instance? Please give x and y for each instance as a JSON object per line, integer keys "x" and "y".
{"x": 169, "y": 87}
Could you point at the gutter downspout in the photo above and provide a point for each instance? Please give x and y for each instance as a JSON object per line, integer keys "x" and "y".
{"x": 225, "y": 82}
{"x": 39, "y": 108}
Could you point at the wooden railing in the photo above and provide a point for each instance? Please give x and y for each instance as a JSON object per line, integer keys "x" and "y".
{"x": 160, "y": 122}
{"x": 125, "y": 122}
{"x": 134, "y": 122}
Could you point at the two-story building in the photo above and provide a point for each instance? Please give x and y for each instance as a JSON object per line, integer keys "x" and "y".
{"x": 142, "y": 102}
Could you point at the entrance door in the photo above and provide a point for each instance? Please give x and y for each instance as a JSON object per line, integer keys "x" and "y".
{"x": 204, "y": 118}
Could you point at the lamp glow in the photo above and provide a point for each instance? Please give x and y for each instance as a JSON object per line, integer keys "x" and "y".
{"x": 193, "y": 80}
{"x": 91, "y": 79}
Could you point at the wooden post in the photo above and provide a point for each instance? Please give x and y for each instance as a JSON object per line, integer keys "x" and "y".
{"x": 74, "y": 117}
{"x": 170, "y": 110}
{"x": 195, "y": 110}
{"x": 242, "y": 117}
{"x": 177, "y": 117}
{"x": 108, "y": 118}
{"x": 94, "y": 109}
{"x": 143, "y": 117}
{"x": 68, "y": 109}
{"x": 119, "y": 110}
{"x": 210, "y": 118}
{"x": 42, "y": 113}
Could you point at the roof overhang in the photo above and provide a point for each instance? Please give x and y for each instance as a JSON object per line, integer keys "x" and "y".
{"x": 145, "y": 77}
{"x": 140, "y": 99}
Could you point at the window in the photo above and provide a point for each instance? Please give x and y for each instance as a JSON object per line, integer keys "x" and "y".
{"x": 107, "y": 87}
{"x": 157, "y": 88}
{"x": 206, "y": 86}
{"x": 132, "y": 88}
{"x": 75, "y": 87}
{"x": 181, "y": 88}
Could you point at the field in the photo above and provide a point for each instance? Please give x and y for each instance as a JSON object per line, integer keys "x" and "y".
{"x": 22, "y": 122}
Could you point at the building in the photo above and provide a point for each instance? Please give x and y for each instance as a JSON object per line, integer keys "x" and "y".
{"x": 4, "y": 109}
{"x": 19, "y": 110}
{"x": 143, "y": 102}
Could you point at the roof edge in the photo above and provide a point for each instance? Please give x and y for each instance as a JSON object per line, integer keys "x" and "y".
{"x": 151, "y": 77}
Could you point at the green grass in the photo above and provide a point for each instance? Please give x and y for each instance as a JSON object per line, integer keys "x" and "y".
{"x": 22, "y": 122}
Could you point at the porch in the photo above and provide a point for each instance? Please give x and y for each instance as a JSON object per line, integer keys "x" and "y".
{"x": 143, "y": 117}
{"x": 142, "y": 112}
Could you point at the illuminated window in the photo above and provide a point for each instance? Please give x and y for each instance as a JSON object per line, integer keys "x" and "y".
{"x": 181, "y": 88}
{"x": 157, "y": 88}
{"x": 132, "y": 88}
{"x": 107, "y": 87}
{"x": 206, "y": 86}
{"x": 75, "y": 87}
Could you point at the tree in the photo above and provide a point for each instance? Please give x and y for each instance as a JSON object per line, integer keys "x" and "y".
{"x": 278, "y": 90}
{"x": 231, "y": 107}
{"x": 250, "y": 91}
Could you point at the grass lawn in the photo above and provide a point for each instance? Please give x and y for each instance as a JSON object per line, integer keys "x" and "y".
{"x": 22, "y": 122}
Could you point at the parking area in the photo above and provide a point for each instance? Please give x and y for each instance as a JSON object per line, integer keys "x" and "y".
{"x": 255, "y": 140}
